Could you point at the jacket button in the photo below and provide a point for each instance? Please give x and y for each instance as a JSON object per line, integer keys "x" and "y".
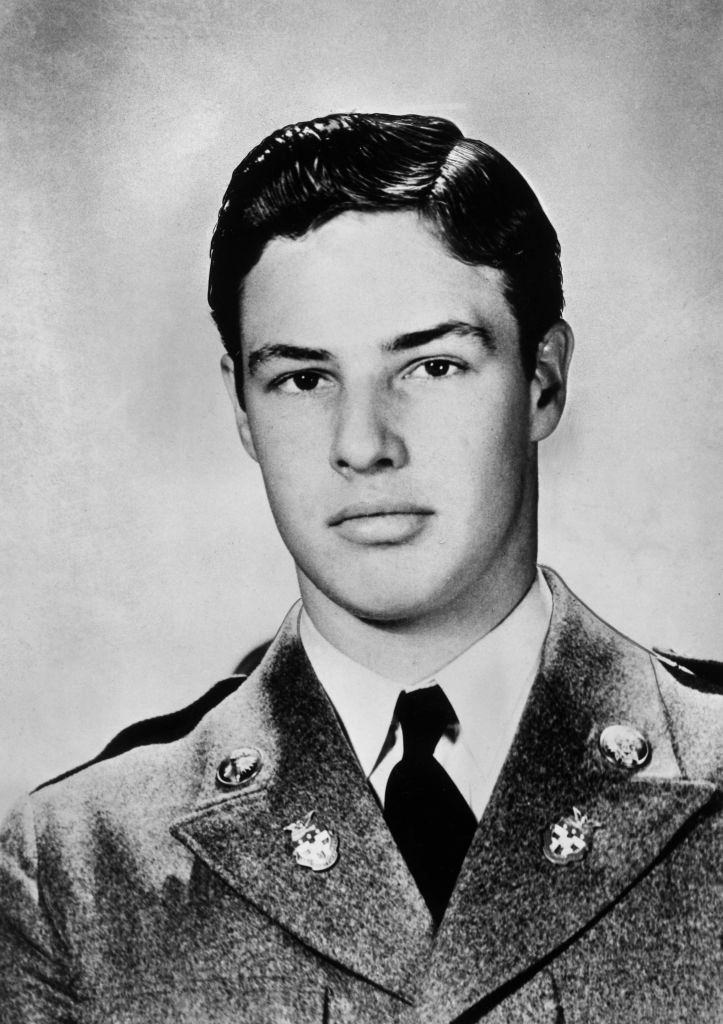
{"x": 239, "y": 767}
{"x": 624, "y": 746}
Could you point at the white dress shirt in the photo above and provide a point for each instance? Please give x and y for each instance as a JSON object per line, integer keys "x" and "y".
{"x": 487, "y": 685}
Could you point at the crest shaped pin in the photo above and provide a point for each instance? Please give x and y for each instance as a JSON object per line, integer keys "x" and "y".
{"x": 568, "y": 840}
{"x": 312, "y": 846}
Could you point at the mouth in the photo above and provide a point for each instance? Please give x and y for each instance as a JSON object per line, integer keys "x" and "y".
{"x": 380, "y": 522}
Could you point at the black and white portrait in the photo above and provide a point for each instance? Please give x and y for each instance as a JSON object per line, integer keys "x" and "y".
{"x": 371, "y": 566}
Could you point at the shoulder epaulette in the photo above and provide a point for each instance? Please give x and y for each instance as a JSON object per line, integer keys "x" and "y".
{"x": 159, "y": 729}
{"x": 698, "y": 673}
{"x": 250, "y": 661}
{"x": 173, "y": 726}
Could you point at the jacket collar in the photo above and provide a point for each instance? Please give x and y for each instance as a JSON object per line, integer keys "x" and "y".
{"x": 511, "y": 908}
{"x": 365, "y": 912}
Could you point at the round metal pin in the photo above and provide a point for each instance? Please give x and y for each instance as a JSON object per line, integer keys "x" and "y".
{"x": 239, "y": 767}
{"x": 312, "y": 846}
{"x": 569, "y": 839}
{"x": 624, "y": 746}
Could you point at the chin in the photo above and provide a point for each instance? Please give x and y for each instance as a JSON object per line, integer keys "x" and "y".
{"x": 386, "y": 600}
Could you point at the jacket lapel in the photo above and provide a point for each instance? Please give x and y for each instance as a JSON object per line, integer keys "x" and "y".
{"x": 512, "y": 908}
{"x": 365, "y": 912}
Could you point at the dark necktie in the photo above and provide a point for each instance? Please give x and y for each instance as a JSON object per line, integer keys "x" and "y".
{"x": 429, "y": 818}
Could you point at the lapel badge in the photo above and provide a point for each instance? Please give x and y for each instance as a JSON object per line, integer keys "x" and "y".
{"x": 625, "y": 747}
{"x": 239, "y": 767}
{"x": 312, "y": 846}
{"x": 569, "y": 839}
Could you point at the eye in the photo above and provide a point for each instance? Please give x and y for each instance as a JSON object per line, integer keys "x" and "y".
{"x": 302, "y": 380}
{"x": 434, "y": 368}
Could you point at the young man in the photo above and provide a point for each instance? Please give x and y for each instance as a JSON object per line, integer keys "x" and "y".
{"x": 448, "y": 792}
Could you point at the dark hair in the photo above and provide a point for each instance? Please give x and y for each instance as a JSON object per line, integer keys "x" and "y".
{"x": 475, "y": 201}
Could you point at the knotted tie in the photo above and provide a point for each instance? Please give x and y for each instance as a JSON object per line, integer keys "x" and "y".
{"x": 429, "y": 818}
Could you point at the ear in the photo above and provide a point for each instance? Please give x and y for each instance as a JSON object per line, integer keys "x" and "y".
{"x": 548, "y": 387}
{"x": 228, "y": 372}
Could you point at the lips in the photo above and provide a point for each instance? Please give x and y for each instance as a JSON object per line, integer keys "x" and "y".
{"x": 368, "y": 509}
{"x": 379, "y": 523}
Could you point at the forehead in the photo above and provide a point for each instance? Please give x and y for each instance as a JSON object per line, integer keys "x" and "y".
{"x": 366, "y": 274}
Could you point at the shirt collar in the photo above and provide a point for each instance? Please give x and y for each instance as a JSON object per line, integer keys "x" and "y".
{"x": 488, "y": 684}
{"x": 363, "y": 700}
{"x": 485, "y": 684}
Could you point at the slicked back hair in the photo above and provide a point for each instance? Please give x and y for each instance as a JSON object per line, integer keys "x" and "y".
{"x": 472, "y": 198}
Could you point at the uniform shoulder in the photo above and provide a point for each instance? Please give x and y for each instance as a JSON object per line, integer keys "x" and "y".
{"x": 177, "y": 724}
{"x": 145, "y": 750}
{"x": 174, "y": 725}
{"x": 155, "y": 770}
{"x": 160, "y": 729}
{"x": 689, "y": 689}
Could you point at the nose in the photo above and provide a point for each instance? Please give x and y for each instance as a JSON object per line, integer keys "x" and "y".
{"x": 366, "y": 438}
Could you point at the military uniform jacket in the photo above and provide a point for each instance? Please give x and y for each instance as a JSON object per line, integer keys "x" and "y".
{"x": 140, "y": 890}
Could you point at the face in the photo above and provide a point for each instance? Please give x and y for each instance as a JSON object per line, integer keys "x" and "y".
{"x": 386, "y": 405}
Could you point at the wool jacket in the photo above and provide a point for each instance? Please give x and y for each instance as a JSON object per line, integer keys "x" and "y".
{"x": 142, "y": 890}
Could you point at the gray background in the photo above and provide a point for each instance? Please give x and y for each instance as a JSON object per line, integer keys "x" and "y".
{"x": 138, "y": 558}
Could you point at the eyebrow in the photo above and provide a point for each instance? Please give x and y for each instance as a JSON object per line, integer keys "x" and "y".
{"x": 401, "y": 343}
{"x": 460, "y": 327}
{"x": 267, "y": 353}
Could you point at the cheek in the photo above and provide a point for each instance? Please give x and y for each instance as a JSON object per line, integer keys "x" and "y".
{"x": 282, "y": 441}
{"x": 285, "y": 425}
{"x": 291, "y": 463}
{"x": 473, "y": 440}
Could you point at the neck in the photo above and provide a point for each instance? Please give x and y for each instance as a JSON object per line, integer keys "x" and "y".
{"x": 408, "y": 650}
